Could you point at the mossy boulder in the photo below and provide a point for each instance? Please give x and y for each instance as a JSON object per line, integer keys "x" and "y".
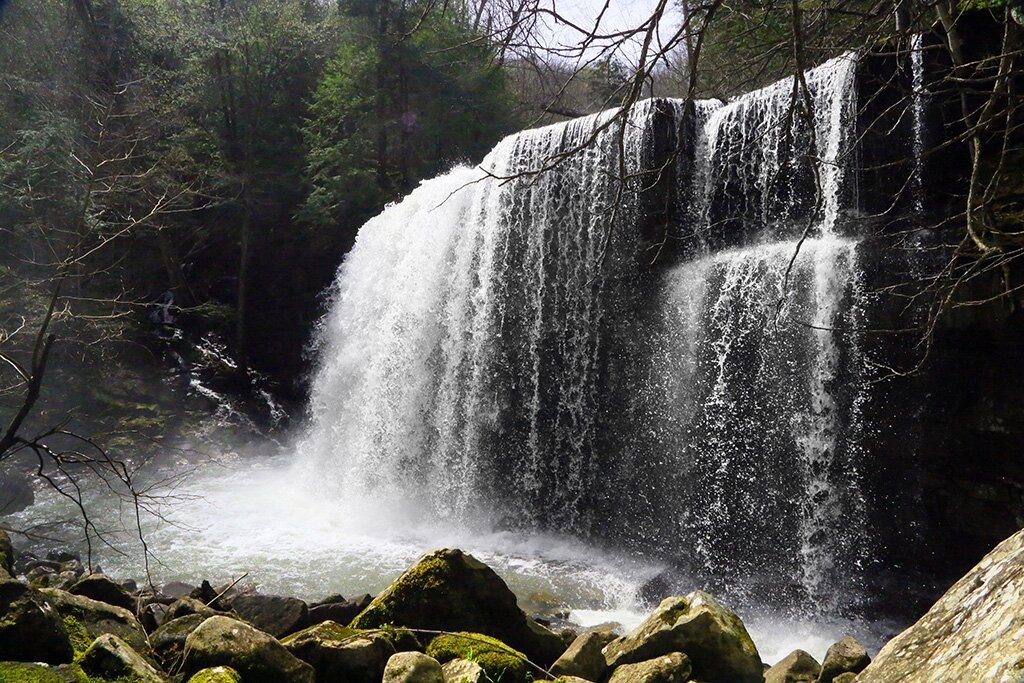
{"x": 35, "y": 672}
{"x": 463, "y": 671}
{"x": 501, "y": 663}
{"x": 31, "y": 628}
{"x": 797, "y": 667}
{"x": 86, "y": 619}
{"x": 6, "y": 554}
{"x": 257, "y": 656}
{"x": 584, "y": 658}
{"x": 110, "y": 658}
{"x": 341, "y": 653}
{"x": 449, "y": 590}
{"x": 412, "y": 667}
{"x": 168, "y": 641}
{"x": 673, "y": 667}
{"x": 217, "y": 674}
{"x": 104, "y": 589}
{"x": 711, "y": 635}
{"x": 844, "y": 656}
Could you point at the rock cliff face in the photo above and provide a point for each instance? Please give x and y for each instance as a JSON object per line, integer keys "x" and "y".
{"x": 973, "y": 633}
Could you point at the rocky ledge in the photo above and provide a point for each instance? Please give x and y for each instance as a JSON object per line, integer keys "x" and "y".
{"x": 451, "y": 619}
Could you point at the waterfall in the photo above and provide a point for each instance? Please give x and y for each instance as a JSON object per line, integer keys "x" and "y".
{"x": 499, "y": 350}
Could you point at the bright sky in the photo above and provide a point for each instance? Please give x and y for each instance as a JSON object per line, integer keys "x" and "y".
{"x": 620, "y": 15}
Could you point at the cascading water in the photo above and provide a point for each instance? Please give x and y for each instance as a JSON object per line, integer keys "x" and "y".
{"x": 498, "y": 350}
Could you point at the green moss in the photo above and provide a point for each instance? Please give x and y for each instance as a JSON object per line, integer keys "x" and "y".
{"x": 21, "y": 672}
{"x": 218, "y": 674}
{"x": 77, "y": 633}
{"x": 500, "y": 663}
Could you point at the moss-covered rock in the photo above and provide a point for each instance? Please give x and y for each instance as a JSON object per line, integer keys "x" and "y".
{"x": 110, "y": 658}
{"x": 34, "y": 672}
{"x": 87, "y": 619}
{"x": 449, "y": 590}
{"x": 168, "y": 641}
{"x": 501, "y": 663}
{"x": 797, "y": 667}
{"x": 673, "y": 667}
{"x": 711, "y": 635}
{"x": 846, "y": 655}
{"x": 30, "y": 626}
{"x": 583, "y": 658}
{"x": 341, "y": 653}
{"x": 257, "y": 656}
{"x": 6, "y": 554}
{"x": 217, "y": 674}
{"x": 412, "y": 667}
{"x": 187, "y": 605}
{"x": 104, "y": 589}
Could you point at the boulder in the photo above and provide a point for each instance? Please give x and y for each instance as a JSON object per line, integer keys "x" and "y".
{"x": 973, "y": 633}
{"x": 463, "y": 671}
{"x": 583, "y": 658}
{"x": 104, "y": 589}
{"x": 797, "y": 667}
{"x": 673, "y": 667}
{"x": 36, "y": 672}
{"x": 449, "y": 590}
{"x": 6, "y": 553}
{"x": 177, "y": 589}
{"x": 152, "y": 616}
{"x": 110, "y": 657}
{"x": 30, "y": 626}
{"x": 255, "y": 655}
{"x": 16, "y": 492}
{"x": 412, "y": 667}
{"x": 168, "y": 641}
{"x": 86, "y": 619}
{"x": 274, "y": 614}
{"x": 501, "y": 663}
{"x": 711, "y": 635}
{"x": 217, "y": 674}
{"x": 185, "y": 606}
{"x": 847, "y": 655}
{"x": 341, "y": 610}
{"x": 848, "y": 677}
{"x": 61, "y": 555}
{"x": 340, "y": 653}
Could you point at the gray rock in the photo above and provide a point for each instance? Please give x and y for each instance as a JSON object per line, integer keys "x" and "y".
{"x": 185, "y": 606}
{"x": 797, "y": 667}
{"x": 176, "y": 589}
{"x": 30, "y": 626}
{"x": 449, "y": 590}
{"x": 412, "y": 667}
{"x": 152, "y": 616}
{"x": 973, "y": 633}
{"x": 463, "y": 671}
{"x": 341, "y": 611}
{"x": 16, "y": 492}
{"x": 257, "y": 656}
{"x": 104, "y": 589}
{"x": 61, "y": 555}
{"x": 712, "y": 636}
{"x": 847, "y": 655}
{"x": 110, "y": 657}
{"x": 274, "y": 614}
{"x": 673, "y": 667}
{"x": 340, "y": 653}
{"x": 88, "y": 619}
{"x": 583, "y": 658}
